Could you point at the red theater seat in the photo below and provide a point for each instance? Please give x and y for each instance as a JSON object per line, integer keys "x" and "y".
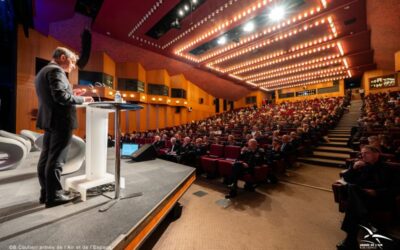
{"x": 260, "y": 175}
{"x": 209, "y": 162}
{"x": 225, "y": 165}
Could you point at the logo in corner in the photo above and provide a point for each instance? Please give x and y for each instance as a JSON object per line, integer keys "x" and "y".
{"x": 372, "y": 240}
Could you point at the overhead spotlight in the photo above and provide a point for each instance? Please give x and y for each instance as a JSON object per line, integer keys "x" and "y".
{"x": 277, "y": 14}
{"x": 180, "y": 12}
{"x": 194, "y": 1}
{"x": 175, "y": 24}
{"x": 249, "y": 27}
{"x": 186, "y": 7}
{"x": 222, "y": 40}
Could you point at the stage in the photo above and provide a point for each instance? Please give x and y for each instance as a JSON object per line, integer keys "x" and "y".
{"x": 26, "y": 224}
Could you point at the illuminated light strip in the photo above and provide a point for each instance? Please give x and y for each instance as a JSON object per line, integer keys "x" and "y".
{"x": 257, "y": 60}
{"x": 227, "y": 23}
{"x": 311, "y": 82}
{"x": 265, "y": 89}
{"x": 301, "y": 69}
{"x": 349, "y": 73}
{"x": 252, "y": 83}
{"x": 145, "y": 17}
{"x": 345, "y": 63}
{"x": 263, "y": 58}
{"x": 280, "y": 60}
{"x": 315, "y": 77}
{"x": 301, "y": 76}
{"x": 142, "y": 40}
{"x": 236, "y": 77}
{"x": 340, "y": 48}
{"x": 237, "y": 17}
{"x": 332, "y": 25}
{"x": 324, "y": 3}
{"x": 292, "y": 66}
{"x": 262, "y": 44}
{"x": 204, "y": 21}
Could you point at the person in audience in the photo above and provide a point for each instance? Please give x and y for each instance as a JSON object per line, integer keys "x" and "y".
{"x": 174, "y": 150}
{"x": 157, "y": 143}
{"x": 186, "y": 153}
{"x": 371, "y": 186}
{"x": 231, "y": 141}
{"x": 250, "y": 157}
{"x": 57, "y": 117}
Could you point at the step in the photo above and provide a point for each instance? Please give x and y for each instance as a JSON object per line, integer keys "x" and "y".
{"x": 340, "y": 130}
{"x": 338, "y": 139}
{"x": 330, "y": 155}
{"x": 339, "y": 136}
{"x": 322, "y": 162}
{"x": 333, "y": 149}
{"x": 335, "y": 144}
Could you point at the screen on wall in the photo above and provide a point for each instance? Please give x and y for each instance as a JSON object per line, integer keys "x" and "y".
{"x": 383, "y": 81}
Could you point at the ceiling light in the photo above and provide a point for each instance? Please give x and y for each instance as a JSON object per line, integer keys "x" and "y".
{"x": 194, "y": 1}
{"x": 249, "y": 27}
{"x": 222, "y": 40}
{"x": 277, "y": 13}
{"x": 186, "y": 7}
{"x": 180, "y": 12}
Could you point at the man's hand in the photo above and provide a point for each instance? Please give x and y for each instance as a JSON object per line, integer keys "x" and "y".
{"x": 88, "y": 99}
{"x": 79, "y": 92}
{"x": 371, "y": 192}
{"x": 358, "y": 164}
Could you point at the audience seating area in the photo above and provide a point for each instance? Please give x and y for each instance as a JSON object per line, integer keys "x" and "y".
{"x": 223, "y": 136}
{"x": 378, "y": 126}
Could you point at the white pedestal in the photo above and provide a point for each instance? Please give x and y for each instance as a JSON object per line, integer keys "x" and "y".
{"x": 96, "y": 154}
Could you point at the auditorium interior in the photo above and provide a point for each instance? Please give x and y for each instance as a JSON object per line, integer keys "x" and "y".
{"x": 213, "y": 124}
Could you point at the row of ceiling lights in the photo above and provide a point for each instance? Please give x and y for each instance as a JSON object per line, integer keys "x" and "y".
{"x": 305, "y": 77}
{"x": 253, "y": 37}
{"x": 286, "y": 58}
{"x": 298, "y": 70}
{"x": 261, "y": 44}
{"x": 292, "y": 66}
{"x": 301, "y": 76}
{"x": 276, "y": 54}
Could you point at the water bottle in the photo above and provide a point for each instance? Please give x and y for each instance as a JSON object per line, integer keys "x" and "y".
{"x": 117, "y": 97}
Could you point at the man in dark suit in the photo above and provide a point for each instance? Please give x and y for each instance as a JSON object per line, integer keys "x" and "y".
{"x": 157, "y": 143}
{"x": 57, "y": 117}
{"x": 371, "y": 186}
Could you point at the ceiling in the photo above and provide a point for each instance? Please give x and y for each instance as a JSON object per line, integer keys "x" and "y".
{"x": 316, "y": 41}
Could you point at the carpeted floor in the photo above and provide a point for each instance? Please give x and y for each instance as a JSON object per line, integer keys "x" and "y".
{"x": 282, "y": 216}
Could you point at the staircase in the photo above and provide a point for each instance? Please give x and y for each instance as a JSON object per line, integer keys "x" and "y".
{"x": 335, "y": 152}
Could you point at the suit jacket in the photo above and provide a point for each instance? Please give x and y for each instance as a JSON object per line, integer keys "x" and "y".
{"x": 56, "y": 99}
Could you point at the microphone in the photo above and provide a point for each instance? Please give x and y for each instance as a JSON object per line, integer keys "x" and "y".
{"x": 94, "y": 91}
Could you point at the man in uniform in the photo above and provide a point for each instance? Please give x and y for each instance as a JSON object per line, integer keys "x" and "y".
{"x": 249, "y": 158}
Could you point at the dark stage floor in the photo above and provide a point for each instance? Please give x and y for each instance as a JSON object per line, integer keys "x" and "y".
{"x": 26, "y": 223}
